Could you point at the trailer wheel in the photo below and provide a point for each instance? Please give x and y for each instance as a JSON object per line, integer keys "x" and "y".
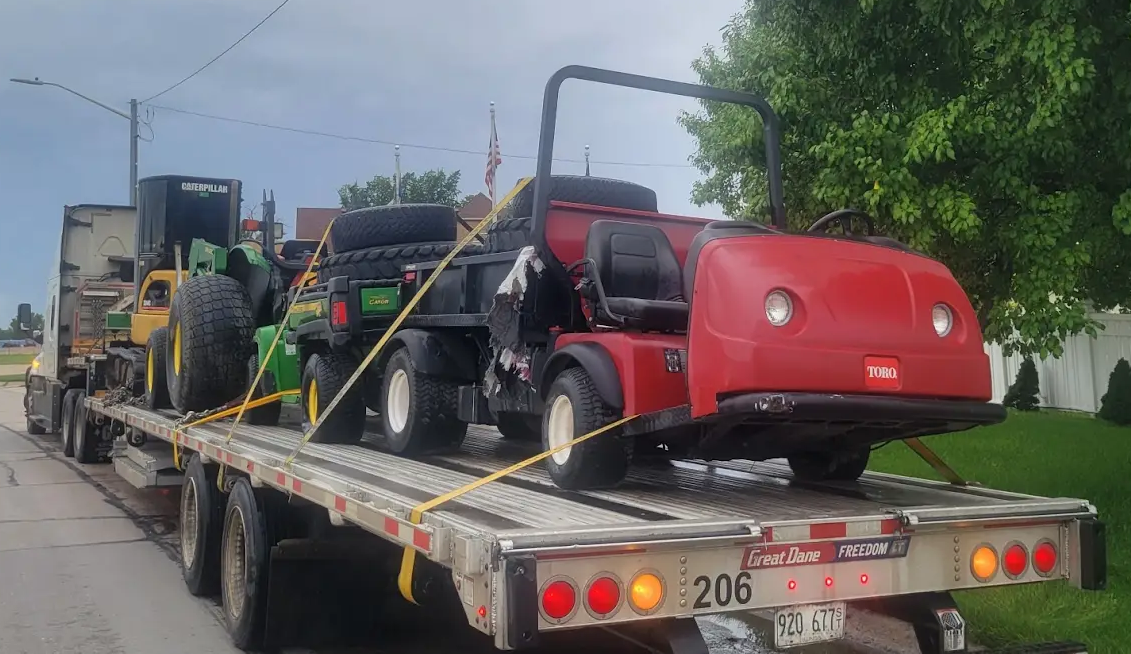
{"x": 156, "y": 383}
{"x": 518, "y": 426}
{"x": 268, "y": 414}
{"x": 211, "y": 332}
{"x": 322, "y": 378}
{"x": 201, "y": 522}
{"x": 575, "y": 408}
{"x": 86, "y": 435}
{"x": 244, "y": 560}
{"x": 829, "y": 466}
{"x": 419, "y": 412}
{"x": 68, "y": 416}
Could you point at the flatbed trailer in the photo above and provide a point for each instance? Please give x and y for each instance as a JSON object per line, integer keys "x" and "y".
{"x": 677, "y": 540}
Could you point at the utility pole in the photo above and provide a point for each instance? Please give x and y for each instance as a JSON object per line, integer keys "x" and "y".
{"x": 132, "y": 117}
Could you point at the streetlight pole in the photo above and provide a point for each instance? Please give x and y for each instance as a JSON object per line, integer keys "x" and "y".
{"x": 132, "y": 117}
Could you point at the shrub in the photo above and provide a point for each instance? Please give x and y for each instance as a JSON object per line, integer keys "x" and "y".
{"x": 1115, "y": 405}
{"x": 1022, "y": 395}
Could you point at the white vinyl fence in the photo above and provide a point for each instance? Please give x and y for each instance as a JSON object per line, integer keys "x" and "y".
{"x": 1078, "y": 379}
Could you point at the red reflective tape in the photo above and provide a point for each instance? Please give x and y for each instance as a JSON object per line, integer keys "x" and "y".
{"x": 768, "y": 534}
{"x": 228, "y": 457}
{"x": 889, "y": 526}
{"x": 828, "y": 530}
{"x": 216, "y": 451}
{"x": 296, "y": 485}
{"x": 421, "y": 539}
{"x": 280, "y": 479}
{"x": 392, "y": 527}
{"x": 250, "y": 466}
{"x": 340, "y": 504}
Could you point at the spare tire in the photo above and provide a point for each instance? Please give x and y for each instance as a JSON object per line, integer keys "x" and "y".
{"x": 512, "y": 229}
{"x": 600, "y": 191}
{"x": 398, "y": 224}
{"x": 385, "y": 262}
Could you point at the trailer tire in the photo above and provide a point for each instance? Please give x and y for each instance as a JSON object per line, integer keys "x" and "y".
{"x": 156, "y": 383}
{"x": 245, "y": 549}
{"x": 419, "y": 412}
{"x": 201, "y": 522}
{"x": 397, "y": 224}
{"x": 86, "y": 435}
{"x": 575, "y": 408}
{"x": 829, "y": 465}
{"x": 268, "y": 414}
{"x": 68, "y": 415}
{"x": 323, "y": 377}
{"x": 385, "y": 262}
{"x": 211, "y": 332}
{"x": 518, "y": 426}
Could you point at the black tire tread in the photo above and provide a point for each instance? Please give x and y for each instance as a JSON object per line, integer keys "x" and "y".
{"x": 217, "y": 328}
{"x": 67, "y": 417}
{"x": 829, "y": 466}
{"x": 85, "y": 436}
{"x": 346, "y": 423}
{"x": 518, "y": 426}
{"x": 599, "y": 462}
{"x": 398, "y": 224}
{"x": 434, "y": 422}
{"x": 158, "y": 344}
{"x": 204, "y": 579}
{"x": 386, "y": 262}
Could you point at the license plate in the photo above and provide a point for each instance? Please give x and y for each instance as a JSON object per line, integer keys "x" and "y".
{"x": 806, "y": 624}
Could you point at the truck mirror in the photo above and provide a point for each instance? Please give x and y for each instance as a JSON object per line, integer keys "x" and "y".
{"x": 278, "y": 227}
{"x": 23, "y": 316}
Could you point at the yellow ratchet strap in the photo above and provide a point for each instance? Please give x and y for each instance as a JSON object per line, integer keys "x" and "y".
{"x": 935, "y": 461}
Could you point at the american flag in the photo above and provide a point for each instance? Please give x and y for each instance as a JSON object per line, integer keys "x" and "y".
{"x": 494, "y": 159}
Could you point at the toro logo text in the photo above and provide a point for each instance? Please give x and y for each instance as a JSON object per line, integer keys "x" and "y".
{"x": 882, "y": 373}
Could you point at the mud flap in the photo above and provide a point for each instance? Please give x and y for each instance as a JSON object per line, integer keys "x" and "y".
{"x": 324, "y": 593}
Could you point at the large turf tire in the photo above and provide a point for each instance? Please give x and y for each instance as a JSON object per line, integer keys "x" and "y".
{"x": 419, "y": 412}
{"x": 268, "y": 414}
{"x": 398, "y": 224}
{"x": 385, "y": 262}
{"x": 829, "y": 466}
{"x": 71, "y": 400}
{"x": 156, "y": 383}
{"x": 201, "y": 524}
{"x": 216, "y": 329}
{"x": 575, "y": 408}
{"x": 323, "y": 377}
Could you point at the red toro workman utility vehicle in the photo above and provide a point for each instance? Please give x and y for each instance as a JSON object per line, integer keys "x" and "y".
{"x": 726, "y": 339}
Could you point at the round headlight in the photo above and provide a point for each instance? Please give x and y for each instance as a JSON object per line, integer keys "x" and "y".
{"x": 942, "y": 319}
{"x": 779, "y": 308}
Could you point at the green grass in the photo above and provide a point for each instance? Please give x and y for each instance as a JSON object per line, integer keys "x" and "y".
{"x": 15, "y": 358}
{"x": 1052, "y": 454}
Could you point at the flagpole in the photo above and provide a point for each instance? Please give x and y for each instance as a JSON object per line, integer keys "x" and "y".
{"x": 587, "y": 161}
{"x": 397, "y": 177}
{"x": 492, "y": 152}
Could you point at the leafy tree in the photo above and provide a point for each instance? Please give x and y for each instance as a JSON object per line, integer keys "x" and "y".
{"x": 13, "y": 331}
{"x": 1115, "y": 405}
{"x": 433, "y": 187}
{"x": 1023, "y": 394}
{"x": 993, "y": 135}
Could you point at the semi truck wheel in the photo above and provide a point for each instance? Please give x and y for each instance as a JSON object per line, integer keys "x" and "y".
{"x": 211, "y": 332}
{"x": 322, "y": 378}
{"x": 829, "y": 466}
{"x": 86, "y": 435}
{"x": 244, "y": 562}
{"x": 156, "y": 383}
{"x": 418, "y": 411}
{"x": 574, "y": 408}
{"x": 201, "y": 523}
{"x": 268, "y": 414}
{"x": 68, "y": 415}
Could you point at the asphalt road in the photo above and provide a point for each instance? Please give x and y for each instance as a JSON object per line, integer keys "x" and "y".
{"x": 90, "y": 565}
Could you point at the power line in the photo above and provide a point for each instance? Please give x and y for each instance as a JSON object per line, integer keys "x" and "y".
{"x": 226, "y": 50}
{"x": 435, "y": 148}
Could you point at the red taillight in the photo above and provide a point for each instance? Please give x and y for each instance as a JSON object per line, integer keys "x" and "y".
{"x": 410, "y": 277}
{"x": 828, "y": 582}
{"x": 558, "y": 599}
{"x": 603, "y": 596}
{"x": 864, "y": 579}
{"x": 338, "y": 313}
{"x": 1044, "y": 557}
{"x": 1015, "y": 560}
{"x": 792, "y": 585}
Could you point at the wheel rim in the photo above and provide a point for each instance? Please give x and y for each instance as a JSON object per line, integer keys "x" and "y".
{"x": 312, "y": 402}
{"x": 399, "y": 400}
{"x": 559, "y": 428}
{"x": 177, "y": 349}
{"x": 149, "y": 371}
{"x": 189, "y": 518}
{"x": 67, "y": 420}
{"x": 235, "y": 564}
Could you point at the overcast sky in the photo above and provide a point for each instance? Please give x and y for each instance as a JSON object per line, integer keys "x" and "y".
{"x": 417, "y": 73}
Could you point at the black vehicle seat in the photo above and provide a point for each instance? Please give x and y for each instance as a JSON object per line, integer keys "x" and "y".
{"x": 296, "y": 249}
{"x": 640, "y": 274}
